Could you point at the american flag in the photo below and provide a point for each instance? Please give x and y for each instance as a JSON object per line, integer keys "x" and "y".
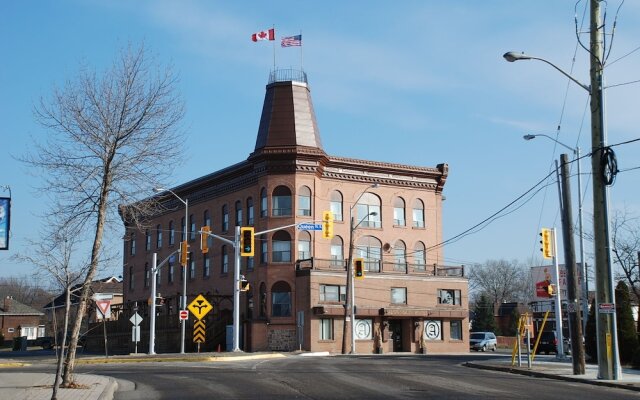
{"x": 289, "y": 41}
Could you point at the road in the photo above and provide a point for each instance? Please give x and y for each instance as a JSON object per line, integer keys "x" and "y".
{"x": 340, "y": 377}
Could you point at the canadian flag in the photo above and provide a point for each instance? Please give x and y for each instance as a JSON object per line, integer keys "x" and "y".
{"x": 264, "y": 35}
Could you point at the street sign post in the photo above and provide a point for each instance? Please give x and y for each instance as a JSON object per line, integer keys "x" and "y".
{"x": 135, "y": 330}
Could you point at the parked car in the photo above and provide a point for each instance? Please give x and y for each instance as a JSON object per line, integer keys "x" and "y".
{"x": 549, "y": 343}
{"x": 483, "y": 341}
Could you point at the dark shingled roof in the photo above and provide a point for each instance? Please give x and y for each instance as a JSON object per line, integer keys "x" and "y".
{"x": 17, "y": 308}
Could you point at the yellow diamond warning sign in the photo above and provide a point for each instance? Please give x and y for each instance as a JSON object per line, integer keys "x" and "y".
{"x": 200, "y": 307}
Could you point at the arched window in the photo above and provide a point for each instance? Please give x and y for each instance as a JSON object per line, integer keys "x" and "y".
{"x": 281, "y": 299}
{"x": 337, "y": 252}
{"x": 336, "y": 205}
{"x": 304, "y": 245}
{"x": 250, "y": 215}
{"x": 419, "y": 256}
{"x": 264, "y": 252}
{"x": 172, "y": 233}
{"x": 400, "y": 256}
{"x": 281, "y": 202}
{"x": 281, "y": 247}
{"x": 418, "y": 214}
{"x": 368, "y": 211}
{"x": 263, "y": 203}
{"x": 370, "y": 248}
{"x": 224, "y": 260}
{"x": 238, "y": 213}
{"x": 304, "y": 201}
{"x": 225, "y": 218}
{"x": 206, "y": 218}
{"x": 398, "y": 212}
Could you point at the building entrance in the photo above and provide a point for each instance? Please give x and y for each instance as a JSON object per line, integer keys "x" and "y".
{"x": 395, "y": 331}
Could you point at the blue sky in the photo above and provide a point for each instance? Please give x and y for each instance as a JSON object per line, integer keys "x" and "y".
{"x": 412, "y": 82}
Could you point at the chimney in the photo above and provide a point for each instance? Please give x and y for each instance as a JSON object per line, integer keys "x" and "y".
{"x": 8, "y": 303}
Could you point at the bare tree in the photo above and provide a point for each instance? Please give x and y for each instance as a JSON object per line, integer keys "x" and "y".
{"x": 112, "y": 139}
{"x": 501, "y": 281}
{"x": 625, "y": 241}
{"x": 25, "y": 290}
{"x": 53, "y": 256}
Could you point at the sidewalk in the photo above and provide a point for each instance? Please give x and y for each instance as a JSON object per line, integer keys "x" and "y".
{"x": 562, "y": 370}
{"x": 38, "y": 385}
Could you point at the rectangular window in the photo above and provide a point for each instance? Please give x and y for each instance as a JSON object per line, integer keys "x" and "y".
{"x": 249, "y": 263}
{"x": 158, "y": 236}
{"x": 171, "y": 272}
{"x": 336, "y": 209}
{"x": 418, "y": 218}
{"x": 192, "y": 228}
{"x": 250, "y": 215}
{"x": 326, "y": 328}
{"x": 449, "y": 296}
{"x": 225, "y": 263}
{"x": 131, "y": 283}
{"x": 133, "y": 244}
{"x": 456, "y": 330}
{"x": 146, "y": 276}
{"x": 281, "y": 304}
{"x": 371, "y": 214}
{"x": 304, "y": 249}
{"x": 192, "y": 267}
{"x": 207, "y": 267}
{"x": 398, "y": 216}
{"x": 304, "y": 205}
{"x": 333, "y": 293}
{"x": 398, "y": 295}
{"x": 159, "y": 277}
{"x": 172, "y": 234}
{"x": 281, "y": 206}
{"x": 147, "y": 245}
{"x": 281, "y": 251}
{"x": 264, "y": 252}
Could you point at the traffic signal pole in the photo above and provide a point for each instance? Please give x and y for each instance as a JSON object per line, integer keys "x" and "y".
{"x": 155, "y": 267}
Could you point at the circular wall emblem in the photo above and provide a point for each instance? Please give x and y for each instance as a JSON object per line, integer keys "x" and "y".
{"x": 363, "y": 329}
{"x": 432, "y": 330}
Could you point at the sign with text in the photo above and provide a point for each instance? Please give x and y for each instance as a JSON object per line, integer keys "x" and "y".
{"x": 544, "y": 275}
{"x": 309, "y": 227}
{"x": 5, "y": 213}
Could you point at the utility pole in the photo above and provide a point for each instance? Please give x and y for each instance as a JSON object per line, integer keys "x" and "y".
{"x": 573, "y": 307}
{"x": 608, "y": 360}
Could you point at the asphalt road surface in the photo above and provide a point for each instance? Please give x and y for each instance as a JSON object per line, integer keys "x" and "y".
{"x": 340, "y": 377}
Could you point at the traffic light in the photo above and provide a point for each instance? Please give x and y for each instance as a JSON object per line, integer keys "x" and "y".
{"x": 204, "y": 239}
{"x": 246, "y": 241}
{"x": 358, "y": 266}
{"x": 327, "y": 224}
{"x": 547, "y": 249}
{"x": 244, "y": 284}
{"x": 184, "y": 251}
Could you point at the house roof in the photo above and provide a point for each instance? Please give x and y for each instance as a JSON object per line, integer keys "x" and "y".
{"x": 109, "y": 285}
{"x": 16, "y": 308}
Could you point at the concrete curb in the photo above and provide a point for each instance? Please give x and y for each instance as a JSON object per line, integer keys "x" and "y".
{"x": 177, "y": 359}
{"x": 109, "y": 390}
{"x": 539, "y": 374}
{"x": 14, "y": 364}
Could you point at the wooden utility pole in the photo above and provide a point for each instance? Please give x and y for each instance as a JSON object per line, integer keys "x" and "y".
{"x": 573, "y": 289}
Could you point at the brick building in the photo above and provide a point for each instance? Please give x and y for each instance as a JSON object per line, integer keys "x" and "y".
{"x": 19, "y": 320}
{"x": 298, "y": 278}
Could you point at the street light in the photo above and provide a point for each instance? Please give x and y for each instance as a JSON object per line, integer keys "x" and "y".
{"x": 585, "y": 291}
{"x": 184, "y": 269}
{"x": 608, "y": 359}
{"x": 350, "y": 285}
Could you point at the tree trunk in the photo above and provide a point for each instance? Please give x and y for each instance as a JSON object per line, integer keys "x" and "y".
{"x": 61, "y": 355}
{"x": 86, "y": 286}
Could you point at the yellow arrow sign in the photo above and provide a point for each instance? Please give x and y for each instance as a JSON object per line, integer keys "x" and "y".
{"x": 200, "y": 307}
{"x": 199, "y": 332}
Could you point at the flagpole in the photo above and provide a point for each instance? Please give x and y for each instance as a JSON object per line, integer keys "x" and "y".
{"x": 301, "y": 59}
{"x": 274, "y": 48}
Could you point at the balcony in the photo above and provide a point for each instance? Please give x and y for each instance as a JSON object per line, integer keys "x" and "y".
{"x": 380, "y": 267}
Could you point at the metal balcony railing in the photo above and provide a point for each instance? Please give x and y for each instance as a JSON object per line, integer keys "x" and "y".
{"x": 285, "y": 75}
